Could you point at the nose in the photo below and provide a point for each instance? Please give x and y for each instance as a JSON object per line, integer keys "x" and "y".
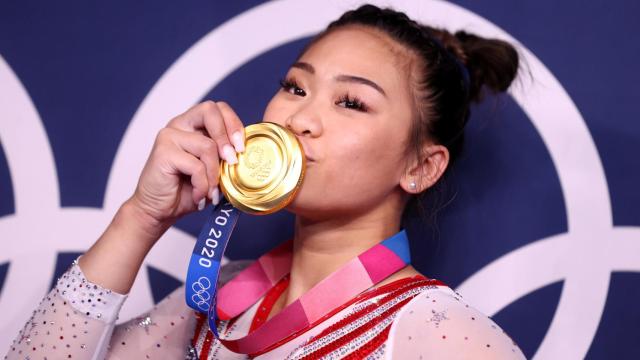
{"x": 304, "y": 123}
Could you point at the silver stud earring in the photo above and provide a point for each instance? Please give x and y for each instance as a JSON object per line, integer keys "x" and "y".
{"x": 412, "y": 185}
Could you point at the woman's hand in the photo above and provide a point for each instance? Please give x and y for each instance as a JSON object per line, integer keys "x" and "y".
{"x": 182, "y": 170}
{"x": 180, "y": 174}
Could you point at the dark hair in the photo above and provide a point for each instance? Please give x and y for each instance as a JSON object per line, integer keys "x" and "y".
{"x": 454, "y": 70}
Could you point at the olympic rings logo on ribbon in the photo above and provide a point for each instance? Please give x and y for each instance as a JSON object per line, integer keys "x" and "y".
{"x": 201, "y": 296}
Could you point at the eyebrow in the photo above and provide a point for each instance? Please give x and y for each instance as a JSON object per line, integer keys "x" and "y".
{"x": 304, "y": 66}
{"x": 342, "y": 78}
{"x": 360, "y": 80}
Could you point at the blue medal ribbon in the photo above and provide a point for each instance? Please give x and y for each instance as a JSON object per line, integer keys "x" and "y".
{"x": 204, "y": 266}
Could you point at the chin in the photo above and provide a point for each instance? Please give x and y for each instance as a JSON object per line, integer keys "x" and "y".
{"x": 301, "y": 204}
{"x": 308, "y": 206}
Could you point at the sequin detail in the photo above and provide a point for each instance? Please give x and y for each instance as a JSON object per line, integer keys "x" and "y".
{"x": 357, "y": 329}
{"x": 89, "y": 299}
{"x": 71, "y": 316}
{"x": 145, "y": 322}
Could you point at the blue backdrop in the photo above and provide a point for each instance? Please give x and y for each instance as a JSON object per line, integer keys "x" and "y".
{"x": 87, "y": 67}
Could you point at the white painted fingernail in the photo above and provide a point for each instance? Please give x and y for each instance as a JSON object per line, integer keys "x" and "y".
{"x": 215, "y": 196}
{"x": 238, "y": 141}
{"x": 201, "y": 203}
{"x": 229, "y": 154}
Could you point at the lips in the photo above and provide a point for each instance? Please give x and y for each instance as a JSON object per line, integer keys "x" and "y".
{"x": 307, "y": 151}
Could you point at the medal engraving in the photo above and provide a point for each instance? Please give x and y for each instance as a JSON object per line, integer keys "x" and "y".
{"x": 256, "y": 161}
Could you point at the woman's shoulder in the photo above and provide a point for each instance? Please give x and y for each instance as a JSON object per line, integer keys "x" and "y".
{"x": 439, "y": 323}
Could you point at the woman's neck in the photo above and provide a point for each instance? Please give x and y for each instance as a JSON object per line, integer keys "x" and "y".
{"x": 322, "y": 247}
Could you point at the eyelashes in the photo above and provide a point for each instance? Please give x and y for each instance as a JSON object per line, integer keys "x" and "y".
{"x": 352, "y": 103}
{"x": 291, "y": 86}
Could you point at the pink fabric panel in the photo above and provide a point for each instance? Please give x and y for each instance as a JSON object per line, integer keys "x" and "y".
{"x": 380, "y": 262}
{"x": 252, "y": 283}
{"x": 291, "y": 319}
{"x": 335, "y": 290}
{"x": 277, "y": 263}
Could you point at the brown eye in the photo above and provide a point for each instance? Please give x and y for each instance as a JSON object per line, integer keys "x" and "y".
{"x": 352, "y": 103}
{"x": 291, "y": 86}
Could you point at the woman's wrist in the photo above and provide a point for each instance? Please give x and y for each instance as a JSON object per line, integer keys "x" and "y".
{"x": 136, "y": 220}
{"x": 114, "y": 260}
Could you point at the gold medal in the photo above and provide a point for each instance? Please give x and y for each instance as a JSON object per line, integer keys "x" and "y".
{"x": 268, "y": 173}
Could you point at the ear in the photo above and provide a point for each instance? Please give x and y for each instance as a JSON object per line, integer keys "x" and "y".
{"x": 423, "y": 173}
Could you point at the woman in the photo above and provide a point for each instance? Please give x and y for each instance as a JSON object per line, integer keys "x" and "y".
{"x": 379, "y": 104}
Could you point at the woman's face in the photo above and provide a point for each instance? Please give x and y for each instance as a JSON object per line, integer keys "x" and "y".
{"x": 348, "y": 100}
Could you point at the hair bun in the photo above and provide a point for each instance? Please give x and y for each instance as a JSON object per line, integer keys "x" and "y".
{"x": 491, "y": 63}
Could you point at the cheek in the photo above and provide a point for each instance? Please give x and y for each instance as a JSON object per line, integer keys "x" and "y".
{"x": 275, "y": 111}
{"x": 366, "y": 158}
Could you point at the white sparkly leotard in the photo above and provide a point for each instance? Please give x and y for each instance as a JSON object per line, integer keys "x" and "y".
{"x": 408, "y": 319}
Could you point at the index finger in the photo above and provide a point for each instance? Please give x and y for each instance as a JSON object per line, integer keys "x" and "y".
{"x": 233, "y": 124}
{"x": 218, "y": 121}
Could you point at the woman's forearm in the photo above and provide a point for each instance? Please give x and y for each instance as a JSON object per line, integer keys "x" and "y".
{"x": 114, "y": 260}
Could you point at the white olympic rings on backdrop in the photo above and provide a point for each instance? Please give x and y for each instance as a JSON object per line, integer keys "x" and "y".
{"x": 583, "y": 258}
